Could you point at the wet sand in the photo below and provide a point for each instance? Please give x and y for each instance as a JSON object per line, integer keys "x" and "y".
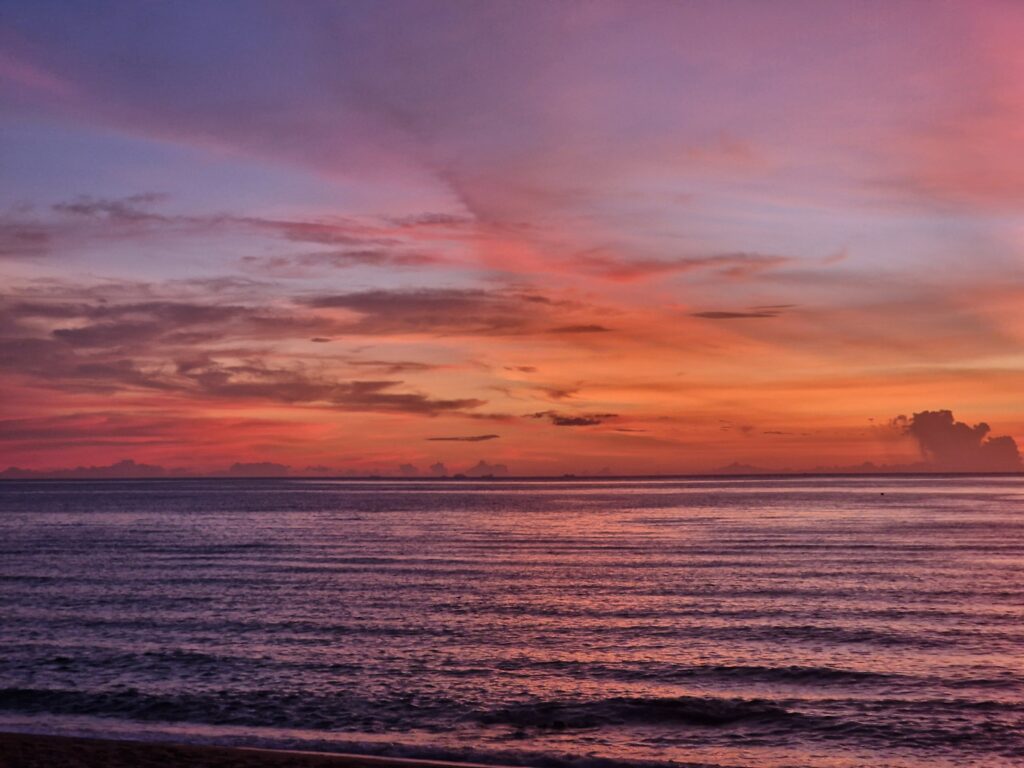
{"x": 31, "y": 751}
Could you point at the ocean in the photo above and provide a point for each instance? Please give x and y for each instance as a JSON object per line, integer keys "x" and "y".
{"x": 769, "y": 622}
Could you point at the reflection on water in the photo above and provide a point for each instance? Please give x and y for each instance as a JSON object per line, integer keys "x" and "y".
{"x": 769, "y": 622}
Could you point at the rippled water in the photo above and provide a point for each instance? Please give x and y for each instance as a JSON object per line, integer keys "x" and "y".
{"x": 776, "y": 622}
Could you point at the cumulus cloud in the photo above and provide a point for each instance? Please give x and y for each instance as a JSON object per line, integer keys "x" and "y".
{"x": 438, "y": 469}
{"x": 957, "y": 446}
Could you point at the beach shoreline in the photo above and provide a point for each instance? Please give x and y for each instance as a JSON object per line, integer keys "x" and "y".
{"x": 22, "y": 750}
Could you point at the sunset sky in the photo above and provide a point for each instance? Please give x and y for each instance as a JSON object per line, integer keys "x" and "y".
{"x": 558, "y": 236}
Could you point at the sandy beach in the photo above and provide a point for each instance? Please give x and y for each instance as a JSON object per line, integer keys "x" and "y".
{"x": 32, "y": 751}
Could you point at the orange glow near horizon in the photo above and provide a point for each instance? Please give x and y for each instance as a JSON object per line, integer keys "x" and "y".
{"x": 551, "y": 241}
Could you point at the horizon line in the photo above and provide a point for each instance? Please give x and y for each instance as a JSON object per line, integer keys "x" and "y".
{"x": 514, "y": 478}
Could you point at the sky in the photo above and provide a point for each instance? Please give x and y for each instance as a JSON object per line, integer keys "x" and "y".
{"x": 541, "y": 237}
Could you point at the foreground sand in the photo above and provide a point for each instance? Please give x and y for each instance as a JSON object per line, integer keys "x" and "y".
{"x": 23, "y": 751}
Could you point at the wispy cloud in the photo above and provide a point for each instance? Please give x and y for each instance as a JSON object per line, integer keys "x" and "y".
{"x": 573, "y": 420}
{"x": 731, "y": 265}
{"x": 726, "y": 315}
{"x": 464, "y": 439}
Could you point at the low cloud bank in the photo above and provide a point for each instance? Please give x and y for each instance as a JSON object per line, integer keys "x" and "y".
{"x": 946, "y": 445}
{"x": 130, "y": 469}
{"x": 125, "y": 469}
{"x": 485, "y": 469}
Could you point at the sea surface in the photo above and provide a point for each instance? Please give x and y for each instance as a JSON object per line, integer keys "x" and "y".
{"x": 775, "y": 623}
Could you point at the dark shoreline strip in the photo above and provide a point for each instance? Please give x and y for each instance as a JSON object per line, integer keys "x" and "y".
{"x": 18, "y": 750}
